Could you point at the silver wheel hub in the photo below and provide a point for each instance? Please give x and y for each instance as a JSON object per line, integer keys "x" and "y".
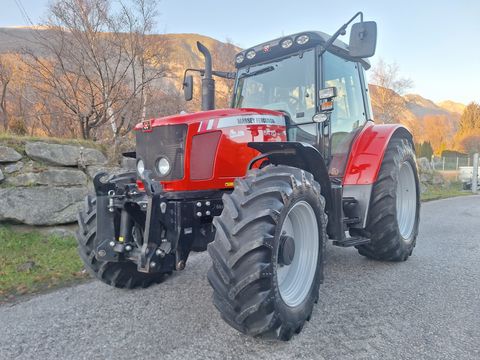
{"x": 406, "y": 200}
{"x": 298, "y": 253}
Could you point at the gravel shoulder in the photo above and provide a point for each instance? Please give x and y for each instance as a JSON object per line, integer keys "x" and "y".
{"x": 425, "y": 308}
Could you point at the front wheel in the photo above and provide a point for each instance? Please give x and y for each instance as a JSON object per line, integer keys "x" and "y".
{"x": 394, "y": 212}
{"x": 268, "y": 252}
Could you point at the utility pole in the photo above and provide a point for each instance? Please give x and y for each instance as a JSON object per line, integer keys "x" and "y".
{"x": 475, "y": 173}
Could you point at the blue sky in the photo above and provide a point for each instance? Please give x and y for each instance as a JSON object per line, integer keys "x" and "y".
{"x": 435, "y": 43}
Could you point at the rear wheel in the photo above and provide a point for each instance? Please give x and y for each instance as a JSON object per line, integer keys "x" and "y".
{"x": 395, "y": 206}
{"x": 118, "y": 274}
{"x": 268, "y": 252}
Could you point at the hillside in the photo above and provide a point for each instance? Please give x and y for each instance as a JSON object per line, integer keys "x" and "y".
{"x": 452, "y": 106}
{"x": 422, "y": 107}
{"x": 181, "y": 53}
{"x": 421, "y": 115}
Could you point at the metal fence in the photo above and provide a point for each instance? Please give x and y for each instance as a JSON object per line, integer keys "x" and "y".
{"x": 447, "y": 163}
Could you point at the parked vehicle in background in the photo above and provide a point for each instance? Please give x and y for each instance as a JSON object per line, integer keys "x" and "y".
{"x": 466, "y": 177}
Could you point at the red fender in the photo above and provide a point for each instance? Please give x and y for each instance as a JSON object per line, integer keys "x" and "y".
{"x": 367, "y": 152}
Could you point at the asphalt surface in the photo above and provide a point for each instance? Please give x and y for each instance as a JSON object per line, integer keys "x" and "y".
{"x": 425, "y": 308}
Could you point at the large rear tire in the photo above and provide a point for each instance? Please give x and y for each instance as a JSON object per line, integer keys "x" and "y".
{"x": 117, "y": 274}
{"x": 394, "y": 213}
{"x": 268, "y": 252}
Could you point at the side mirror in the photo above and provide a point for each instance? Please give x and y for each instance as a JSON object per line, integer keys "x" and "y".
{"x": 188, "y": 88}
{"x": 363, "y": 39}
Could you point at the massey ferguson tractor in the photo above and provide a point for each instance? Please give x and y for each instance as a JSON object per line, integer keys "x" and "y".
{"x": 297, "y": 160}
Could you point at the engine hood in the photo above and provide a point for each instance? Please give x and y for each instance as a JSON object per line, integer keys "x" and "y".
{"x": 191, "y": 118}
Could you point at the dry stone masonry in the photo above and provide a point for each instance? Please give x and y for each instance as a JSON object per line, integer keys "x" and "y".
{"x": 44, "y": 183}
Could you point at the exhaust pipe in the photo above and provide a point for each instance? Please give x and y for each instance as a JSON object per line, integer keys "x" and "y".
{"x": 208, "y": 84}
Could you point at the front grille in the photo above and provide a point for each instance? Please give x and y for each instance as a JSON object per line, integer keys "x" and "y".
{"x": 167, "y": 141}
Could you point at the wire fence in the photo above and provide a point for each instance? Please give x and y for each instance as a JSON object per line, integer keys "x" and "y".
{"x": 449, "y": 163}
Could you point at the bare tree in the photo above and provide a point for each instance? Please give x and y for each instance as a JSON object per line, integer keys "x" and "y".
{"x": 5, "y": 79}
{"x": 390, "y": 85}
{"x": 223, "y": 57}
{"x": 98, "y": 62}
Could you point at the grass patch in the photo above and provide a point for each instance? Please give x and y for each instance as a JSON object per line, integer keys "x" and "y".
{"x": 32, "y": 262}
{"x": 436, "y": 192}
{"x": 18, "y": 142}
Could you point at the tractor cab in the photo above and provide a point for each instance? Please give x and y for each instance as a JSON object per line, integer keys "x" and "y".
{"x": 323, "y": 94}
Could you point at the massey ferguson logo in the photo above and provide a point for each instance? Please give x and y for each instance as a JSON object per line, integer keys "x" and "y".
{"x": 256, "y": 120}
{"x": 146, "y": 125}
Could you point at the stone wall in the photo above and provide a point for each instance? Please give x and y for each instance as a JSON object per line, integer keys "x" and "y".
{"x": 44, "y": 183}
{"x": 428, "y": 176}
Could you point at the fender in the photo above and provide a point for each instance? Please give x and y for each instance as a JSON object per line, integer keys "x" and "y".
{"x": 308, "y": 158}
{"x": 368, "y": 149}
{"x": 363, "y": 166}
{"x": 300, "y": 155}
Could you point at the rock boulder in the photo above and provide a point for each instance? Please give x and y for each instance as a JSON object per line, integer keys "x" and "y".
{"x": 64, "y": 155}
{"x": 41, "y": 205}
{"x": 51, "y": 176}
{"x": 424, "y": 165}
{"x": 8, "y": 154}
{"x": 111, "y": 170}
{"x": 9, "y": 169}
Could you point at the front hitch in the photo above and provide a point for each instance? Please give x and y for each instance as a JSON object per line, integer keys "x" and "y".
{"x": 151, "y": 254}
{"x": 117, "y": 212}
{"x": 153, "y": 229}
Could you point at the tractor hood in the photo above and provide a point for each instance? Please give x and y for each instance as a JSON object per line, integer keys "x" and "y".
{"x": 234, "y": 116}
{"x": 204, "y": 150}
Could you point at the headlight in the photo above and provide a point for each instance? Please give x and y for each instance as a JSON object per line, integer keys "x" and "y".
{"x": 302, "y": 39}
{"x": 287, "y": 43}
{"x": 239, "y": 58}
{"x": 251, "y": 54}
{"x": 140, "y": 167}
{"x": 163, "y": 166}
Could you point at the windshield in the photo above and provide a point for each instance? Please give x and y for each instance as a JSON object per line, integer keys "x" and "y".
{"x": 286, "y": 85}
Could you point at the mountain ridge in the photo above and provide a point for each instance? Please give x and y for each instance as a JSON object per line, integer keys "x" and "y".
{"x": 183, "y": 53}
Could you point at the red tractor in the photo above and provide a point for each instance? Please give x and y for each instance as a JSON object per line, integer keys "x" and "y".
{"x": 297, "y": 160}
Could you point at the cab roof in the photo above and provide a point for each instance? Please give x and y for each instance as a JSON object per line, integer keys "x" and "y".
{"x": 273, "y": 49}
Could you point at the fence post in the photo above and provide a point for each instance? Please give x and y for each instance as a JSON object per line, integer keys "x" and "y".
{"x": 443, "y": 163}
{"x": 456, "y": 167}
{"x": 475, "y": 173}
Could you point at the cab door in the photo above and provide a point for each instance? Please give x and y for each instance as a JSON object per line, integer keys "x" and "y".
{"x": 349, "y": 115}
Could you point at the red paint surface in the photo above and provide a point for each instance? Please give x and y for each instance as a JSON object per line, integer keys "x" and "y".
{"x": 367, "y": 153}
{"x": 233, "y": 154}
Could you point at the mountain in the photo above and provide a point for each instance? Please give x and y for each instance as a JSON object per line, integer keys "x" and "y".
{"x": 452, "y": 106}
{"x": 180, "y": 53}
{"x": 421, "y": 115}
{"x": 421, "y": 106}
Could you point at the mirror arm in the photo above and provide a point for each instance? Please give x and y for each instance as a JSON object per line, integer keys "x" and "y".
{"x": 341, "y": 31}
{"x": 222, "y": 74}
{"x": 185, "y": 74}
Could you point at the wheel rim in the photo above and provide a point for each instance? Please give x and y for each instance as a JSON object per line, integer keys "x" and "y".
{"x": 295, "y": 280}
{"x": 406, "y": 200}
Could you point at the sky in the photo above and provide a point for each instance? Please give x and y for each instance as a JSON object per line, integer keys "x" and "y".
{"x": 434, "y": 43}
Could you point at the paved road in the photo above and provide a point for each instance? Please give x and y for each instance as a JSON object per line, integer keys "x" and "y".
{"x": 425, "y": 308}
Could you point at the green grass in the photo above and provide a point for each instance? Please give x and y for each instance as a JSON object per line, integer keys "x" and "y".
{"x": 18, "y": 142}
{"x": 55, "y": 259}
{"x": 436, "y": 192}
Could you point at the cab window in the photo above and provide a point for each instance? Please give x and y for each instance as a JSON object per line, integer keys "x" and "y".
{"x": 349, "y": 112}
